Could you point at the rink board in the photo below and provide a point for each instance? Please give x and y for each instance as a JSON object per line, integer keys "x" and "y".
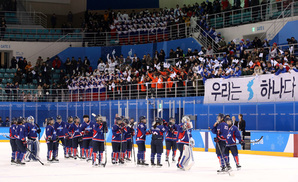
{"x": 273, "y": 143}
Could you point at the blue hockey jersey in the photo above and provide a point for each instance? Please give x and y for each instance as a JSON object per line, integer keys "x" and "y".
{"x": 221, "y": 130}
{"x": 130, "y": 133}
{"x": 118, "y": 134}
{"x": 98, "y": 132}
{"x": 141, "y": 133}
{"x": 86, "y": 130}
{"x": 171, "y": 133}
{"x": 157, "y": 132}
{"x": 33, "y": 132}
{"x": 183, "y": 136}
{"x": 12, "y": 131}
{"x": 74, "y": 130}
{"x": 233, "y": 134}
{"x": 60, "y": 129}
{"x": 51, "y": 133}
{"x": 20, "y": 133}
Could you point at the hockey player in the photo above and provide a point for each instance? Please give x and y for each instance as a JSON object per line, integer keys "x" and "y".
{"x": 233, "y": 134}
{"x": 87, "y": 133}
{"x": 140, "y": 140}
{"x": 75, "y": 133}
{"x": 51, "y": 138}
{"x": 171, "y": 138}
{"x": 184, "y": 138}
{"x": 59, "y": 127}
{"x": 33, "y": 144}
{"x": 68, "y": 138}
{"x": 220, "y": 128}
{"x": 21, "y": 142}
{"x": 118, "y": 130}
{"x": 157, "y": 131}
{"x": 14, "y": 148}
{"x": 123, "y": 140}
{"x": 129, "y": 137}
{"x": 99, "y": 129}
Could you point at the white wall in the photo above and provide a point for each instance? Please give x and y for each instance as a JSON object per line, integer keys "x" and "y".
{"x": 242, "y": 31}
{"x": 31, "y": 50}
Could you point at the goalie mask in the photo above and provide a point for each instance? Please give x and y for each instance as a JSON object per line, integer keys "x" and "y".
{"x": 30, "y": 119}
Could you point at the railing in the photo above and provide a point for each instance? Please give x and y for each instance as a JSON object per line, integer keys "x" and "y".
{"x": 258, "y": 13}
{"x": 24, "y": 18}
{"x": 204, "y": 38}
{"x": 279, "y": 23}
{"x": 118, "y": 92}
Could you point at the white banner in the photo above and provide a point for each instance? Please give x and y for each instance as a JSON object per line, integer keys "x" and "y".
{"x": 262, "y": 88}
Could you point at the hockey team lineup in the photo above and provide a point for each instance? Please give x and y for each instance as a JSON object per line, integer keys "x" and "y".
{"x": 86, "y": 140}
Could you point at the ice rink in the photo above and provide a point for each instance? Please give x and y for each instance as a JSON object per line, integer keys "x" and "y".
{"x": 254, "y": 168}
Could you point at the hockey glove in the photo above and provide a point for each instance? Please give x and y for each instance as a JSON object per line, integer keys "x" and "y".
{"x": 216, "y": 139}
{"x": 242, "y": 142}
{"x": 80, "y": 139}
{"x": 24, "y": 143}
{"x": 165, "y": 123}
{"x": 38, "y": 130}
{"x": 50, "y": 139}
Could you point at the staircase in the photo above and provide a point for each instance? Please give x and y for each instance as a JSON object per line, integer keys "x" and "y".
{"x": 204, "y": 38}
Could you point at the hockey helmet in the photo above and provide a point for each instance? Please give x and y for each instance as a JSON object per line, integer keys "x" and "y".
{"x": 185, "y": 119}
{"x": 142, "y": 118}
{"x": 30, "y": 119}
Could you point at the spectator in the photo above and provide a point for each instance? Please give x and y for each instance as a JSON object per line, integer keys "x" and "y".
{"x": 13, "y": 62}
{"x": 7, "y": 122}
{"x": 54, "y": 20}
{"x": 1, "y": 122}
{"x": 281, "y": 70}
{"x": 39, "y": 61}
{"x": 56, "y": 63}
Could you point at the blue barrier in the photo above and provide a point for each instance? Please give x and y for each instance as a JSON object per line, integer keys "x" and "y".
{"x": 258, "y": 116}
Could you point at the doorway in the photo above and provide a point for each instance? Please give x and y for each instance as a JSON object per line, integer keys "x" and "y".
{"x": 5, "y": 57}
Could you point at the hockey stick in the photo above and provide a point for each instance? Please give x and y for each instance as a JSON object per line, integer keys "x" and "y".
{"x": 223, "y": 158}
{"x": 37, "y": 158}
{"x": 105, "y": 147}
{"x": 6, "y": 136}
{"x": 133, "y": 150}
{"x": 256, "y": 141}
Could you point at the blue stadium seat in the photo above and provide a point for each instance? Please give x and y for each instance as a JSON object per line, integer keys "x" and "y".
{"x": 25, "y": 86}
{"x": 32, "y": 86}
{"x": 6, "y": 75}
{"x": 36, "y": 36}
{"x": 9, "y": 80}
{"x": 1, "y": 75}
{"x": 30, "y": 36}
{"x": 2, "y": 70}
{"x": 11, "y": 75}
{"x": 4, "y": 81}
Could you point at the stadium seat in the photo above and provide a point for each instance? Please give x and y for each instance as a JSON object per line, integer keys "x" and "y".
{"x": 11, "y": 75}
{"x": 25, "y": 86}
{"x": 6, "y": 75}
{"x": 55, "y": 76}
{"x": 4, "y": 81}
{"x": 2, "y": 70}
{"x": 34, "y": 81}
{"x": 1, "y": 75}
{"x": 32, "y": 86}
{"x": 9, "y": 80}
{"x": 31, "y": 37}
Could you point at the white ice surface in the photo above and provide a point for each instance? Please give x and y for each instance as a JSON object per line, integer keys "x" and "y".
{"x": 254, "y": 168}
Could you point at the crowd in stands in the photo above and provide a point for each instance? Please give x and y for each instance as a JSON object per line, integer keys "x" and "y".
{"x": 188, "y": 70}
{"x": 158, "y": 21}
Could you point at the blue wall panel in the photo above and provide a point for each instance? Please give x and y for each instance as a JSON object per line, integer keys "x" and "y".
{"x": 266, "y": 117}
{"x": 288, "y": 31}
{"x": 283, "y": 118}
